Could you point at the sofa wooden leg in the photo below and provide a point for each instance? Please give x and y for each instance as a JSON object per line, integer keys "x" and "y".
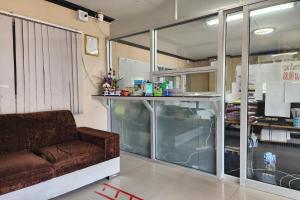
{"x": 112, "y": 176}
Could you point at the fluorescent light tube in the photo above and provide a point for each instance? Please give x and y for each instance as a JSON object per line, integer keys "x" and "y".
{"x": 212, "y": 22}
{"x": 285, "y": 54}
{"x": 238, "y": 16}
{"x": 230, "y": 18}
{"x": 263, "y": 31}
{"x": 234, "y": 17}
{"x": 272, "y": 9}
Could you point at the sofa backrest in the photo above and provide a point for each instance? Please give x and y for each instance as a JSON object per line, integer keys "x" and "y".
{"x": 31, "y": 131}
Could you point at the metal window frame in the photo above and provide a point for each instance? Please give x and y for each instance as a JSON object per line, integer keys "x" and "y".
{"x": 221, "y": 90}
{"x": 153, "y": 66}
{"x": 244, "y": 97}
{"x": 226, "y": 13}
{"x": 107, "y": 102}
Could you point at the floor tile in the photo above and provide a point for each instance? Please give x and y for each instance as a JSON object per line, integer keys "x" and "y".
{"x": 243, "y": 193}
{"x": 159, "y": 181}
{"x": 129, "y": 162}
{"x": 147, "y": 180}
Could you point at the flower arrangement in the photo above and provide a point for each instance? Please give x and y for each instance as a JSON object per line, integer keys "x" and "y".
{"x": 110, "y": 83}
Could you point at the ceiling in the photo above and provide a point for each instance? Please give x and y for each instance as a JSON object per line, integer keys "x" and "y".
{"x": 197, "y": 40}
{"x": 194, "y": 8}
{"x": 130, "y": 15}
{"x": 133, "y": 15}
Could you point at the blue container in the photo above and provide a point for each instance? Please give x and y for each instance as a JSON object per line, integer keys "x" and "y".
{"x": 297, "y": 122}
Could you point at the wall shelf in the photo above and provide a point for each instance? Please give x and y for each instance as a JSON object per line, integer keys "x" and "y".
{"x": 232, "y": 122}
{"x": 185, "y": 71}
{"x": 204, "y": 97}
{"x": 275, "y": 126}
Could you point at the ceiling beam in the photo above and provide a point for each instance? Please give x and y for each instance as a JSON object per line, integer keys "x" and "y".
{"x": 158, "y": 51}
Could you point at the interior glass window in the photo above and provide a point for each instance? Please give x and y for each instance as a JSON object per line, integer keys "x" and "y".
{"x": 131, "y": 118}
{"x": 190, "y": 45}
{"x": 274, "y": 95}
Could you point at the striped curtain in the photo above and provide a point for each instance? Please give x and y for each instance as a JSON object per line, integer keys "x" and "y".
{"x": 48, "y": 68}
{"x": 7, "y": 83}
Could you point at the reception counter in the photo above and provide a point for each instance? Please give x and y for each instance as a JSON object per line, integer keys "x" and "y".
{"x": 179, "y": 130}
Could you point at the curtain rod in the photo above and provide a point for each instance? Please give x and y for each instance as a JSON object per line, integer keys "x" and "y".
{"x": 38, "y": 21}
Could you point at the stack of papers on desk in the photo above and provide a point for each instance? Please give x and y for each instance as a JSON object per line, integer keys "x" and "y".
{"x": 275, "y": 135}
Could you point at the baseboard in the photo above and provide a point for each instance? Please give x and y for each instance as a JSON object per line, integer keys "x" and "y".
{"x": 273, "y": 189}
{"x": 230, "y": 178}
{"x": 66, "y": 183}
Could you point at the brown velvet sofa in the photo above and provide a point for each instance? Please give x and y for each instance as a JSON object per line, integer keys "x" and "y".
{"x": 35, "y": 147}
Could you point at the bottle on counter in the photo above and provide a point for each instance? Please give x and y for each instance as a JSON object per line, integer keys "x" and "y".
{"x": 148, "y": 88}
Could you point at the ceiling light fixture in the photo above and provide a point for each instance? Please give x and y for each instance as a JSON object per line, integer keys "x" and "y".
{"x": 212, "y": 22}
{"x": 234, "y": 17}
{"x": 272, "y": 9}
{"x": 263, "y": 31}
{"x": 239, "y": 16}
{"x": 285, "y": 54}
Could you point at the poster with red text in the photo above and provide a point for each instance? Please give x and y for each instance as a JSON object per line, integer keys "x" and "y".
{"x": 290, "y": 71}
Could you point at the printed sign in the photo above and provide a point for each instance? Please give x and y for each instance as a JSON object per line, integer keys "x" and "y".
{"x": 290, "y": 71}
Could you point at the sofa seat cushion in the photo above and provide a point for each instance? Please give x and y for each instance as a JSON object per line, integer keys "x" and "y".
{"x": 22, "y": 169}
{"x": 71, "y": 156}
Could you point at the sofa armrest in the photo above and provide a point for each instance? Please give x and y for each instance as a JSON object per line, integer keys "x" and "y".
{"x": 107, "y": 140}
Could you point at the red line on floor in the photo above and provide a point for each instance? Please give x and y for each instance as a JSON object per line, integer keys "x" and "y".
{"x": 117, "y": 194}
{"x": 103, "y": 195}
{"x": 131, "y": 195}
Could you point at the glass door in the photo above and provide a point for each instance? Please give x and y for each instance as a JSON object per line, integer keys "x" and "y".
{"x": 273, "y": 139}
{"x": 234, "y": 22}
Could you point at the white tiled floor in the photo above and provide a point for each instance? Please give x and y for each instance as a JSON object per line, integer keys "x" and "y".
{"x": 155, "y": 181}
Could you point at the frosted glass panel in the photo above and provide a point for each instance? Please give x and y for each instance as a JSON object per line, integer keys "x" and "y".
{"x": 132, "y": 121}
{"x": 186, "y": 134}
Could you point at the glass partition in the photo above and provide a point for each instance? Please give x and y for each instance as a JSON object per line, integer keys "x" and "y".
{"x": 132, "y": 120}
{"x": 273, "y": 96}
{"x": 131, "y": 59}
{"x": 186, "y": 130}
{"x": 186, "y": 134}
{"x": 190, "y": 45}
{"x": 233, "y": 53}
